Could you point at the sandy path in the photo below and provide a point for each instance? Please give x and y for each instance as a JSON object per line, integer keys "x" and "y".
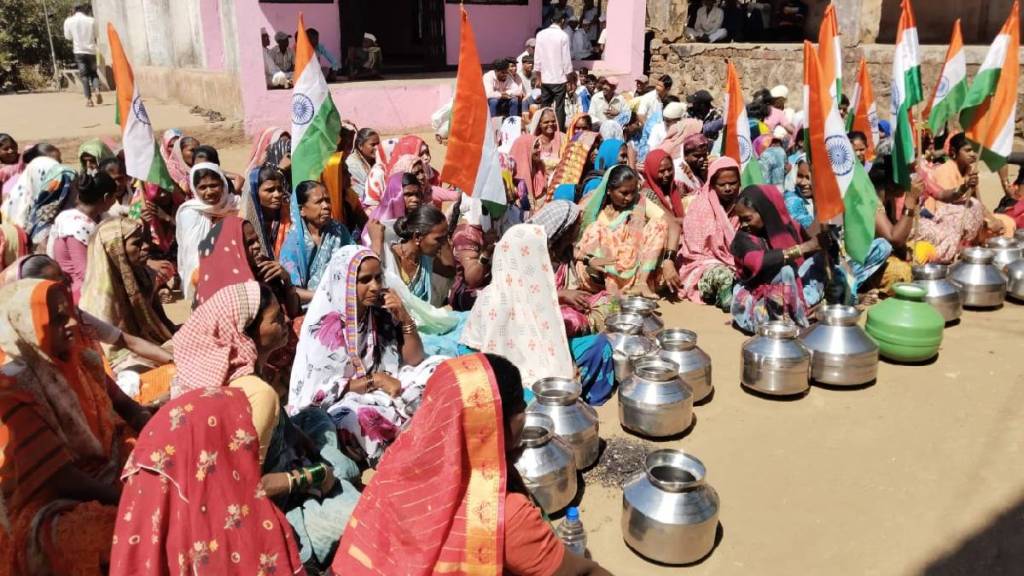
{"x": 920, "y": 473}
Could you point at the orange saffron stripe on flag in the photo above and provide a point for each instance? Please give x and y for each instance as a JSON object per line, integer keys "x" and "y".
{"x": 469, "y": 115}
{"x": 303, "y": 49}
{"x": 123, "y": 76}
{"x": 826, "y": 47}
{"x": 861, "y": 118}
{"x": 828, "y": 202}
{"x": 732, "y": 143}
{"x": 993, "y": 115}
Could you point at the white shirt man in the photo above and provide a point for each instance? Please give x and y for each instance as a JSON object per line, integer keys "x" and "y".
{"x": 552, "y": 56}
{"x": 601, "y": 104}
{"x": 496, "y": 85}
{"x": 80, "y": 28}
{"x": 709, "y": 23}
{"x": 672, "y": 113}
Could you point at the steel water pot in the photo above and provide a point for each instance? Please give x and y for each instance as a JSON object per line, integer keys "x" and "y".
{"x": 574, "y": 420}
{"x": 775, "y": 362}
{"x": 655, "y": 401}
{"x": 979, "y": 281}
{"x": 669, "y": 512}
{"x": 624, "y": 331}
{"x": 841, "y": 353}
{"x": 1015, "y": 282}
{"x": 939, "y": 291}
{"x": 1019, "y": 235}
{"x": 1006, "y": 250}
{"x": 905, "y": 328}
{"x": 546, "y": 464}
{"x": 680, "y": 346}
{"x": 646, "y": 309}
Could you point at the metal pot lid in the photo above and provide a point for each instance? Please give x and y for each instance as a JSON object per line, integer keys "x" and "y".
{"x": 778, "y": 330}
{"x": 674, "y": 470}
{"x": 677, "y": 339}
{"x": 838, "y": 315}
{"x": 977, "y": 255}
{"x": 625, "y": 323}
{"x": 537, "y": 430}
{"x": 1003, "y": 243}
{"x": 656, "y": 368}
{"x": 638, "y": 305}
{"x": 930, "y": 272}
{"x": 556, "y": 391}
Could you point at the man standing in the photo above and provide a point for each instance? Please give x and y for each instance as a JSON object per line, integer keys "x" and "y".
{"x": 504, "y": 94}
{"x": 553, "y": 61}
{"x": 80, "y": 28}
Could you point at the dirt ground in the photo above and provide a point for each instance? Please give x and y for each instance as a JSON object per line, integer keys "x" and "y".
{"x": 921, "y": 473}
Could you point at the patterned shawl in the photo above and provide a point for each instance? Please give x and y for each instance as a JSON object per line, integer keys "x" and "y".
{"x": 13, "y": 244}
{"x": 193, "y": 500}
{"x": 223, "y": 259}
{"x": 575, "y": 162}
{"x": 117, "y": 293}
{"x": 403, "y": 525}
{"x": 531, "y": 337}
{"x": 193, "y": 223}
{"x": 556, "y": 217}
{"x": 212, "y": 349}
{"x": 753, "y": 252}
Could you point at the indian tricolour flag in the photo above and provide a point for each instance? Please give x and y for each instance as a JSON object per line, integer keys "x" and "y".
{"x": 839, "y": 182}
{"x": 736, "y": 142}
{"x": 315, "y": 121}
{"x": 830, "y": 53}
{"x": 142, "y": 157}
{"x": 864, "y": 112}
{"x": 906, "y": 93}
{"x": 951, "y": 90}
{"x": 471, "y": 163}
{"x": 991, "y": 107}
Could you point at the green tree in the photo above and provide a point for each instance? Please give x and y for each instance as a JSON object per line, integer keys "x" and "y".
{"x": 23, "y": 39}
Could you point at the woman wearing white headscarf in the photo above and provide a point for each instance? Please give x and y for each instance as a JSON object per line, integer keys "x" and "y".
{"x": 210, "y": 202}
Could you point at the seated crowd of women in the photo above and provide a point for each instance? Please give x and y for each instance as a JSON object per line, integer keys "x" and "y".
{"x": 325, "y": 314}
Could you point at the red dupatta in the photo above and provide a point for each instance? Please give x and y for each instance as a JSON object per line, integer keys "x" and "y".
{"x": 753, "y": 253}
{"x": 670, "y": 199}
{"x": 436, "y": 503}
{"x": 193, "y": 501}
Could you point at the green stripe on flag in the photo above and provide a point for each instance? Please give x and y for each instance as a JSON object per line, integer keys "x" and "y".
{"x": 902, "y": 148}
{"x": 948, "y": 108}
{"x": 912, "y": 85}
{"x": 158, "y": 173}
{"x": 751, "y": 175}
{"x": 994, "y": 160}
{"x": 982, "y": 88}
{"x": 860, "y": 203}
{"x": 317, "y": 145}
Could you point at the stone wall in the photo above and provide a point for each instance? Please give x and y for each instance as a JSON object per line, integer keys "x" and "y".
{"x": 702, "y": 66}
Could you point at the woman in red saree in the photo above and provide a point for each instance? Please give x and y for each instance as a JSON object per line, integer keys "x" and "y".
{"x": 479, "y": 518}
{"x": 194, "y": 500}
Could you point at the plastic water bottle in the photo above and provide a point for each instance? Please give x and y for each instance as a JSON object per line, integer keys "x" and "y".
{"x": 571, "y": 532}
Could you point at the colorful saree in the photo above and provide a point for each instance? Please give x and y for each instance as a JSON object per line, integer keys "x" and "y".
{"x": 61, "y": 409}
{"x": 531, "y": 173}
{"x": 193, "y": 500}
{"x": 403, "y": 525}
{"x": 704, "y": 248}
{"x": 301, "y": 257}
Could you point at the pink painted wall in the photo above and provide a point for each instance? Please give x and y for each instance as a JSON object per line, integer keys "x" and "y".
{"x": 389, "y": 107}
{"x": 213, "y": 36}
{"x": 500, "y": 30}
{"x": 624, "y": 51}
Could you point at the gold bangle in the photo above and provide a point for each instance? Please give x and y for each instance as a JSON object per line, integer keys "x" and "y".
{"x": 408, "y": 327}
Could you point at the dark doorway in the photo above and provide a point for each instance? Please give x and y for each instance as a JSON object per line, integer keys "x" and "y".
{"x": 409, "y": 32}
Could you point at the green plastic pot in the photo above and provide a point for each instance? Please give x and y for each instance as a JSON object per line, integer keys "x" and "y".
{"x": 906, "y": 328}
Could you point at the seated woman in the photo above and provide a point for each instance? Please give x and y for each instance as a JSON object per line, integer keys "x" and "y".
{"x": 530, "y": 169}
{"x": 894, "y": 221}
{"x": 707, "y": 268}
{"x": 13, "y": 244}
{"x": 228, "y": 341}
{"x": 467, "y": 432}
{"x": 273, "y": 147}
{"x": 660, "y": 184}
{"x": 404, "y": 194}
{"x": 313, "y": 238}
{"x": 47, "y": 191}
{"x": 577, "y": 161}
{"x": 953, "y": 215}
{"x": 91, "y": 153}
{"x": 473, "y": 248}
{"x": 419, "y": 267}
{"x": 119, "y": 290}
{"x": 208, "y": 446}
{"x": 544, "y": 128}
{"x": 534, "y": 336}
{"x": 359, "y": 355}
{"x": 799, "y": 196}
{"x": 692, "y": 172}
{"x": 626, "y": 239}
{"x": 69, "y": 237}
{"x": 361, "y": 161}
{"x": 210, "y": 202}
{"x": 776, "y": 274}
{"x": 182, "y": 160}
{"x": 63, "y": 443}
{"x": 610, "y": 153}
{"x": 265, "y": 205}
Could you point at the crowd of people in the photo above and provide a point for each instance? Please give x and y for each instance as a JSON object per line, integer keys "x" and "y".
{"x": 747, "y": 20}
{"x": 326, "y": 314}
